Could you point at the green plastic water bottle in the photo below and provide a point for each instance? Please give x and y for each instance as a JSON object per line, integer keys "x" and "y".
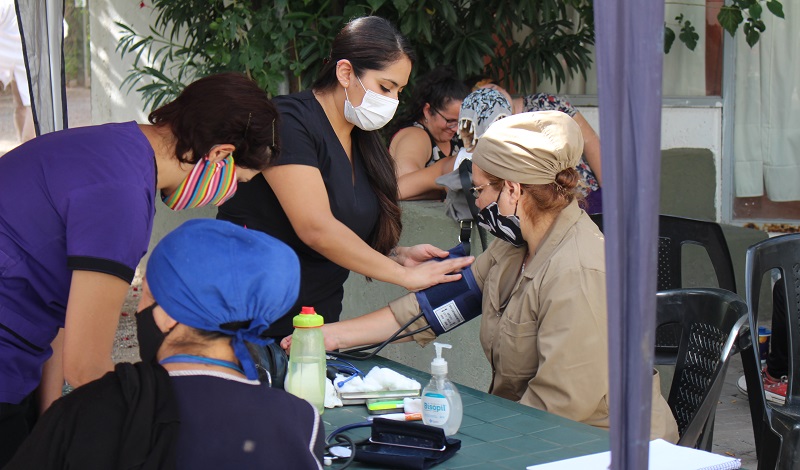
{"x": 306, "y": 376}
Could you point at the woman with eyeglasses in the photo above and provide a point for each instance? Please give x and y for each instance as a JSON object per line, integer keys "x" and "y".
{"x": 424, "y": 143}
{"x": 542, "y": 281}
{"x": 76, "y": 213}
{"x": 332, "y": 193}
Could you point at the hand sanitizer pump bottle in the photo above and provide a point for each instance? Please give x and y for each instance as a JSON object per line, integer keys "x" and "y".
{"x": 441, "y": 402}
{"x": 306, "y": 375}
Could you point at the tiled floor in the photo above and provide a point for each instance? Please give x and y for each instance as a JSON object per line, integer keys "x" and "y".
{"x": 733, "y": 429}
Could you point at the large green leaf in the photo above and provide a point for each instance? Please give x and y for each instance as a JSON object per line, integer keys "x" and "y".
{"x": 730, "y": 18}
{"x": 775, "y": 7}
{"x": 689, "y": 35}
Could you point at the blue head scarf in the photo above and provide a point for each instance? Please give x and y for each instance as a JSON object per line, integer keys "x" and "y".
{"x": 207, "y": 273}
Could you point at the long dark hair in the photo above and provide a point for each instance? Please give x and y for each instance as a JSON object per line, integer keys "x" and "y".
{"x": 439, "y": 88}
{"x": 226, "y": 108}
{"x": 372, "y": 43}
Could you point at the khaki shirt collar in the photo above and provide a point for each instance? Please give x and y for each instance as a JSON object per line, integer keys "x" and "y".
{"x": 565, "y": 220}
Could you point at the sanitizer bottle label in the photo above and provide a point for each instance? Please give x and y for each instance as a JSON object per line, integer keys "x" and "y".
{"x": 435, "y": 409}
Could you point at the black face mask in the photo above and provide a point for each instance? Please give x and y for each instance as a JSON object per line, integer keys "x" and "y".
{"x": 504, "y": 227}
{"x": 150, "y": 335}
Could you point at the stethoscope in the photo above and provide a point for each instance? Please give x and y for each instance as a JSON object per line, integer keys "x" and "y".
{"x": 355, "y": 353}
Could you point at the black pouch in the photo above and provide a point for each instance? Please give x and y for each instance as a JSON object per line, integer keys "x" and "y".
{"x": 271, "y": 362}
{"x": 406, "y": 444}
{"x": 459, "y": 203}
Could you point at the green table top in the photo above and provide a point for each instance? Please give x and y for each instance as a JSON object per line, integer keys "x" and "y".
{"x": 495, "y": 433}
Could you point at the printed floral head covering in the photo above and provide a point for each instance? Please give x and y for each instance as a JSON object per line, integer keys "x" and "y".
{"x": 479, "y": 110}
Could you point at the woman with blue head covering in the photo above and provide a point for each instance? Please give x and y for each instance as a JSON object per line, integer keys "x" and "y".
{"x": 194, "y": 401}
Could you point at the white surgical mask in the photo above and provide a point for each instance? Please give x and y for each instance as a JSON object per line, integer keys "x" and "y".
{"x": 374, "y": 112}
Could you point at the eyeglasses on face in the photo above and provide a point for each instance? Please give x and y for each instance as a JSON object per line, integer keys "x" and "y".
{"x": 450, "y": 123}
{"x": 476, "y": 190}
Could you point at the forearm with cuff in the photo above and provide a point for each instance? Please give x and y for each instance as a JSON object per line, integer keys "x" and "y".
{"x": 404, "y": 309}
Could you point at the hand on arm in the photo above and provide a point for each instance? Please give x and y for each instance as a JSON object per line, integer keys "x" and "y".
{"x": 93, "y": 310}
{"x": 414, "y": 255}
{"x": 311, "y": 217}
{"x": 591, "y": 146}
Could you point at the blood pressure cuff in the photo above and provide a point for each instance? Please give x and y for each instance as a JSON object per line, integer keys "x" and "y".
{"x": 406, "y": 444}
{"x": 451, "y": 304}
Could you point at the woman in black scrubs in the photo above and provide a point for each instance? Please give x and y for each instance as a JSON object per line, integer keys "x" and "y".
{"x": 332, "y": 193}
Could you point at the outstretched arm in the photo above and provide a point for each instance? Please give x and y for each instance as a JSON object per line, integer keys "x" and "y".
{"x": 591, "y": 146}
{"x": 421, "y": 184}
{"x": 374, "y": 327}
{"x": 411, "y": 149}
{"x": 312, "y": 219}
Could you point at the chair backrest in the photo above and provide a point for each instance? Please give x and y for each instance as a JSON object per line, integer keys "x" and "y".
{"x": 781, "y": 253}
{"x": 673, "y": 233}
{"x": 710, "y": 320}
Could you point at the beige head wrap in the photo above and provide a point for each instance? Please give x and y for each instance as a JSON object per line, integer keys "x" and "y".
{"x": 530, "y": 148}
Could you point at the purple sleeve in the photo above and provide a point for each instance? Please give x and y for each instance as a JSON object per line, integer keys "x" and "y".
{"x": 108, "y": 228}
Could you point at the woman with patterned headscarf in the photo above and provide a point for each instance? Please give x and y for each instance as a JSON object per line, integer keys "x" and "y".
{"x": 490, "y": 102}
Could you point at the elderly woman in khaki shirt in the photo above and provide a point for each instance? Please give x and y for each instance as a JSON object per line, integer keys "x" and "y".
{"x": 544, "y": 321}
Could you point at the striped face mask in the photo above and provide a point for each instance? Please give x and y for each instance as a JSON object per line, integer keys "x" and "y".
{"x": 208, "y": 183}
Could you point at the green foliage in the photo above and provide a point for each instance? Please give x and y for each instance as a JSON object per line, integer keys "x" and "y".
{"x": 730, "y": 17}
{"x": 516, "y": 42}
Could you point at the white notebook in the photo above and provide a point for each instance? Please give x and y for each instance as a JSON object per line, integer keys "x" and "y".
{"x": 663, "y": 456}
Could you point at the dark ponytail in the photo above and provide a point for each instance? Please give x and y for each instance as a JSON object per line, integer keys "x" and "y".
{"x": 372, "y": 43}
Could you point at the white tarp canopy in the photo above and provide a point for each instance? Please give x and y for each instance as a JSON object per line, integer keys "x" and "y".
{"x": 41, "y": 24}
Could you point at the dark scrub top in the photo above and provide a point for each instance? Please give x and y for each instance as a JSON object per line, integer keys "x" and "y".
{"x": 139, "y": 417}
{"x": 307, "y": 138}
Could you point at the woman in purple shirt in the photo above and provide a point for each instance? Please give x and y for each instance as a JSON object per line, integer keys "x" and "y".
{"x": 76, "y": 212}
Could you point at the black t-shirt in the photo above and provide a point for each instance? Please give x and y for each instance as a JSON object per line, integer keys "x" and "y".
{"x": 229, "y": 424}
{"x": 140, "y": 417}
{"x": 307, "y": 138}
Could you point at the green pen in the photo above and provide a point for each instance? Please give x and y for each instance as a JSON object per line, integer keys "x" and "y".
{"x": 378, "y": 406}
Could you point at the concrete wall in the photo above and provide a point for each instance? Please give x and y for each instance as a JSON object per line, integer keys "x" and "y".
{"x": 684, "y": 128}
{"x": 111, "y": 102}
